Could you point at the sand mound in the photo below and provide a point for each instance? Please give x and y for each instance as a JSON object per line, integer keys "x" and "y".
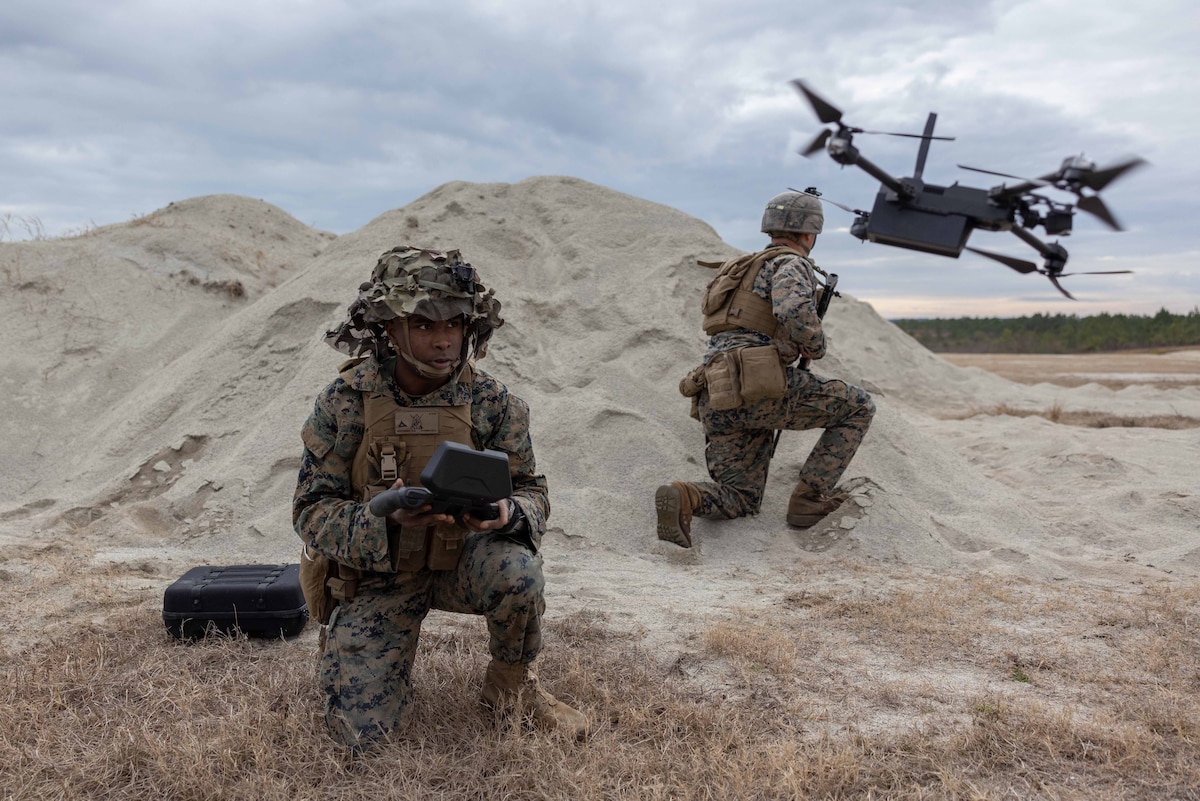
{"x": 153, "y": 410}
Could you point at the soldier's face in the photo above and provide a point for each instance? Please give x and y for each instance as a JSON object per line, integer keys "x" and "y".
{"x": 434, "y": 342}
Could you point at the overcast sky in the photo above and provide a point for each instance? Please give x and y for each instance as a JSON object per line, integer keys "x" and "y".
{"x": 339, "y": 111}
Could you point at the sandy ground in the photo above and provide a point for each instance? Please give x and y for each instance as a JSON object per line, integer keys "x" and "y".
{"x": 156, "y": 374}
{"x": 1166, "y": 368}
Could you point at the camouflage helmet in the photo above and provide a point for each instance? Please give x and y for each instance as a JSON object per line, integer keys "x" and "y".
{"x": 793, "y": 212}
{"x": 436, "y": 285}
{"x": 411, "y": 281}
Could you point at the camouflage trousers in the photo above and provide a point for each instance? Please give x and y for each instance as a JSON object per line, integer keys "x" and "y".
{"x": 366, "y": 667}
{"x": 740, "y": 441}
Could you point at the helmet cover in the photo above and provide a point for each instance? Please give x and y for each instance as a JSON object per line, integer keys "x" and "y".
{"x": 410, "y": 281}
{"x": 793, "y": 213}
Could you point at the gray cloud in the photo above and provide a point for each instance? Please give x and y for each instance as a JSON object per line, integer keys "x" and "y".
{"x": 338, "y": 112}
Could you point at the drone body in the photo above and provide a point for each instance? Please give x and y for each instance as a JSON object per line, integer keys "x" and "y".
{"x": 912, "y": 214}
{"x": 932, "y": 219}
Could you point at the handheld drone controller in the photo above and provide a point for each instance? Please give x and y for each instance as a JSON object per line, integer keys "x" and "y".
{"x": 457, "y": 481}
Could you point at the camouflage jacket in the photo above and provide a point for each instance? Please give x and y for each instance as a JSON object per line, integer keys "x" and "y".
{"x": 788, "y": 282}
{"x": 325, "y": 512}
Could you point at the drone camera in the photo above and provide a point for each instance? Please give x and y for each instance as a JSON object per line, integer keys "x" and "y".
{"x": 1057, "y": 223}
{"x": 858, "y": 228}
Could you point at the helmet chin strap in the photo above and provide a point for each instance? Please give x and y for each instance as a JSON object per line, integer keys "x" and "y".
{"x": 423, "y": 369}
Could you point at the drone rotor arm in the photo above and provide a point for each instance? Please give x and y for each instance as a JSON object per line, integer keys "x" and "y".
{"x": 881, "y": 175}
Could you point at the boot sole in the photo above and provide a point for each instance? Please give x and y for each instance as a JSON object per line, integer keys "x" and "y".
{"x": 667, "y": 504}
{"x": 804, "y": 521}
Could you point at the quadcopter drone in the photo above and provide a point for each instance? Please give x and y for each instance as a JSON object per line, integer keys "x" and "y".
{"x": 910, "y": 213}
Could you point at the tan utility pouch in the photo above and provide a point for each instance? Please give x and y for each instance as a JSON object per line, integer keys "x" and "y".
{"x": 761, "y": 373}
{"x": 314, "y": 571}
{"x": 692, "y": 384}
{"x": 723, "y": 385}
{"x": 325, "y": 583}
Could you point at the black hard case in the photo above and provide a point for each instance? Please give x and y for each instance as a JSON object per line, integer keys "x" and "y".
{"x": 258, "y": 600}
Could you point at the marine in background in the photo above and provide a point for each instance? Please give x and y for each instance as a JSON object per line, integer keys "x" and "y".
{"x": 760, "y": 313}
{"x": 414, "y": 335}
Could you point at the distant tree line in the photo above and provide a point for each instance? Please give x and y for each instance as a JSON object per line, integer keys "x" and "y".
{"x": 1057, "y": 333}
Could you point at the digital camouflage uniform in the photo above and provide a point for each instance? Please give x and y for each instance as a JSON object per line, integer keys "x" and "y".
{"x": 371, "y": 635}
{"x": 740, "y": 441}
{"x": 371, "y": 640}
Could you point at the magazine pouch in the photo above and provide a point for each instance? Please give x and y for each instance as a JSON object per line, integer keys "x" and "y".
{"x": 761, "y": 374}
{"x": 721, "y": 375}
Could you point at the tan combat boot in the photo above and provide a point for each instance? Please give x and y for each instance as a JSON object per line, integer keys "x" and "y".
{"x": 675, "y": 503}
{"x": 516, "y": 685}
{"x": 806, "y": 507}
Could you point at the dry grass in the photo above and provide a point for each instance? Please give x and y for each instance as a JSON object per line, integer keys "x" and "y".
{"x": 1056, "y": 414}
{"x": 14, "y": 227}
{"x": 878, "y": 686}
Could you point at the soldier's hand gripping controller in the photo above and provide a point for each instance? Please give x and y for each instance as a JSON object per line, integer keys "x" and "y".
{"x": 457, "y": 481}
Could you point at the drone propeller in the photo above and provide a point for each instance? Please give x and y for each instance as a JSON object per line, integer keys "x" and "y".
{"x": 1033, "y": 182}
{"x": 1104, "y": 177}
{"x": 841, "y": 206}
{"x": 1020, "y": 265}
{"x": 830, "y": 114}
{"x": 1079, "y": 172}
{"x": 1059, "y": 287}
{"x": 1093, "y": 205}
{"x": 1025, "y": 267}
{"x": 990, "y": 172}
{"x": 1076, "y": 174}
{"x": 818, "y": 143}
{"x": 826, "y": 112}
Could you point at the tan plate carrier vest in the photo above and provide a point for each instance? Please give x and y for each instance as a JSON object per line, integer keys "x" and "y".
{"x": 398, "y": 441}
{"x": 729, "y": 301}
